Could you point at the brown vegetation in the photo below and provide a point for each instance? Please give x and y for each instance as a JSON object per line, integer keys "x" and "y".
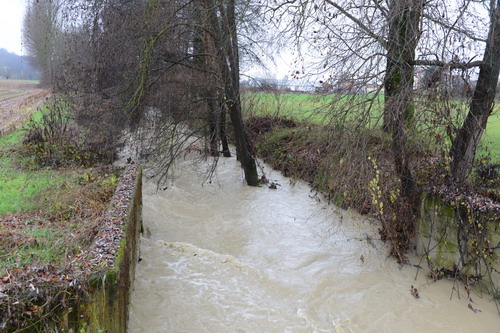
{"x": 83, "y": 225}
{"x": 18, "y": 100}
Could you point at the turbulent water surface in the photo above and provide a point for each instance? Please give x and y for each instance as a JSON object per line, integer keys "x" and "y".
{"x": 225, "y": 257}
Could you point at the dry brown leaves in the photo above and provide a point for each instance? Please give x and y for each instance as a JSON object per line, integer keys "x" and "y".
{"x": 100, "y": 254}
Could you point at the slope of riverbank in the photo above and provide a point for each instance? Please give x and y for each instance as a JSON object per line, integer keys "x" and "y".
{"x": 355, "y": 170}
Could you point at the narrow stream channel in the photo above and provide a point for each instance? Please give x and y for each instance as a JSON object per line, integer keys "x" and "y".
{"x": 225, "y": 257}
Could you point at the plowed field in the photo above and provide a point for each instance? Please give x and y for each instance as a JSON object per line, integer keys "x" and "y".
{"x": 18, "y": 100}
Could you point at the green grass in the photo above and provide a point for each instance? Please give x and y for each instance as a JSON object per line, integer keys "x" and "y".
{"x": 20, "y": 185}
{"x": 11, "y": 138}
{"x": 54, "y": 208}
{"x": 40, "y": 246}
{"x": 317, "y": 108}
{"x": 16, "y": 136}
{"x": 22, "y": 181}
{"x": 490, "y": 141}
{"x": 21, "y": 188}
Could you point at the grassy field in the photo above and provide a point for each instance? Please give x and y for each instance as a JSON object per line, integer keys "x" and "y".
{"x": 24, "y": 191}
{"x": 491, "y": 137}
{"x": 318, "y": 108}
{"x": 20, "y": 186}
{"x": 21, "y": 183}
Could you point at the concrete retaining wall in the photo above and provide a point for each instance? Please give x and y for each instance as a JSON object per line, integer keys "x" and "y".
{"x": 456, "y": 239}
{"x": 105, "y": 307}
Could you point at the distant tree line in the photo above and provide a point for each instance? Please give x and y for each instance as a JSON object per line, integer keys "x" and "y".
{"x": 16, "y": 67}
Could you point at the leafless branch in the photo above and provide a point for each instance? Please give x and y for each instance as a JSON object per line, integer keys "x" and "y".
{"x": 360, "y": 24}
{"x": 451, "y": 65}
{"x": 454, "y": 28}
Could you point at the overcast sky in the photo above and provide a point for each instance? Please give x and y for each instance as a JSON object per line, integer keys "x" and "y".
{"x": 11, "y": 20}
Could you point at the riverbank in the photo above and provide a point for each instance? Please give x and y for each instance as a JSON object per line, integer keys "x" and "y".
{"x": 68, "y": 230}
{"x": 321, "y": 109}
{"x": 354, "y": 169}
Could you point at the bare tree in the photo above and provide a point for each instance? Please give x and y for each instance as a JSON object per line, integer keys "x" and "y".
{"x": 228, "y": 59}
{"x": 360, "y": 42}
{"x": 481, "y": 106}
{"x": 403, "y": 37}
{"x": 175, "y": 71}
{"x": 359, "y": 36}
{"x": 41, "y": 37}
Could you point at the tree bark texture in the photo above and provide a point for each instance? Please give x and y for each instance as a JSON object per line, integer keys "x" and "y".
{"x": 403, "y": 37}
{"x": 223, "y": 135}
{"x": 214, "y": 126}
{"x": 203, "y": 44}
{"x": 469, "y": 135}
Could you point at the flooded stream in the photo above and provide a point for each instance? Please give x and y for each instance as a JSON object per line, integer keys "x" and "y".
{"x": 225, "y": 257}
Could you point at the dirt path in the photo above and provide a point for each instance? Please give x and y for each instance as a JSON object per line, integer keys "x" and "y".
{"x": 18, "y": 100}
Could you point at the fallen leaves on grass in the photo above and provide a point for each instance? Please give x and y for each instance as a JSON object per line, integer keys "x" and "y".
{"x": 106, "y": 233}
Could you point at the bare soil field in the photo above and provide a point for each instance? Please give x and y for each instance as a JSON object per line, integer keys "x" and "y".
{"x": 18, "y": 100}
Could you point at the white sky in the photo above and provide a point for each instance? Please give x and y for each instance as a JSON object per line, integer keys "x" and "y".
{"x": 11, "y": 21}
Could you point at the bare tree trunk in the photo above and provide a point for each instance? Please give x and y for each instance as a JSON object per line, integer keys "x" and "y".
{"x": 469, "y": 135}
{"x": 404, "y": 20}
{"x": 213, "y": 110}
{"x": 223, "y": 136}
{"x": 228, "y": 47}
{"x": 203, "y": 43}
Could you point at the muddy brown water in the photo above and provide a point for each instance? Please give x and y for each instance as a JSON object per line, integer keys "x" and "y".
{"x": 225, "y": 257}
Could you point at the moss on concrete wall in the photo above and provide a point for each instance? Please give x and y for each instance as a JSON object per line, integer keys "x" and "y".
{"x": 456, "y": 239}
{"x": 106, "y": 308}
{"x": 103, "y": 306}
